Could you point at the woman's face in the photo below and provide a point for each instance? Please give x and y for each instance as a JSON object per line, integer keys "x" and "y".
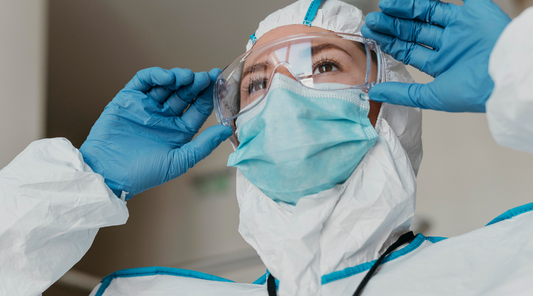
{"x": 356, "y": 53}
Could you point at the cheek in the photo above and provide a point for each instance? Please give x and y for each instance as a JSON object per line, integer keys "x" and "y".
{"x": 375, "y": 107}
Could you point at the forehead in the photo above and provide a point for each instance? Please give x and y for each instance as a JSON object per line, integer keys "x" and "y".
{"x": 287, "y": 31}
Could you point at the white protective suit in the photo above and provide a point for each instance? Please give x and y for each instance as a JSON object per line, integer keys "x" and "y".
{"x": 52, "y": 205}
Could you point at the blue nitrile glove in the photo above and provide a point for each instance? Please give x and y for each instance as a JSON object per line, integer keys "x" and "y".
{"x": 143, "y": 137}
{"x": 460, "y": 41}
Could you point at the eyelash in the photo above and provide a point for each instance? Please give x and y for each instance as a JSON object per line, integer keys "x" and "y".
{"x": 322, "y": 61}
{"x": 326, "y": 60}
{"x": 251, "y": 81}
{"x": 245, "y": 88}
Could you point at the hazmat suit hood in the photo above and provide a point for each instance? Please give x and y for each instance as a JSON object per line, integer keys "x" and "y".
{"x": 340, "y": 17}
{"x": 354, "y": 222}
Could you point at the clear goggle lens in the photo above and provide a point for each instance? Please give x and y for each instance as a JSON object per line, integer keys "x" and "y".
{"x": 346, "y": 60}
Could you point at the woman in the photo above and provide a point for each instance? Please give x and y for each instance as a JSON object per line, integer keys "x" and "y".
{"x": 326, "y": 179}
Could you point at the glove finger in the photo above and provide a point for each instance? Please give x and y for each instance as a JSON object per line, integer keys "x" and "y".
{"x": 183, "y": 77}
{"x": 407, "y": 30}
{"x": 405, "y": 94}
{"x": 177, "y": 104}
{"x": 159, "y": 94}
{"x": 202, "y": 107}
{"x": 430, "y": 11}
{"x": 185, "y": 95}
{"x": 146, "y": 79}
{"x": 190, "y": 92}
{"x": 407, "y": 52}
{"x": 191, "y": 153}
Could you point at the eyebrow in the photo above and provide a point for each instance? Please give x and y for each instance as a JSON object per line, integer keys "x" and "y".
{"x": 314, "y": 51}
{"x": 326, "y": 46}
{"x": 255, "y": 67}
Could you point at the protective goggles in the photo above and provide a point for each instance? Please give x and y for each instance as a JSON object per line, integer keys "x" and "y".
{"x": 344, "y": 61}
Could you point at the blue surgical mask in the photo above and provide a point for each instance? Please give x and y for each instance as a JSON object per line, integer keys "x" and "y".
{"x": 300, "y": 141}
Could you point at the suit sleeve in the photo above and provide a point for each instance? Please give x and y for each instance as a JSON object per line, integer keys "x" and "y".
{"x": 510, "y": 107}
{"x": 51, "y": 207}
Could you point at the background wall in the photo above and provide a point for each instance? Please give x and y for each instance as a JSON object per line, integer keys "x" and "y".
{"x": 22, "y": 75}
{"x": 95, "y": 47}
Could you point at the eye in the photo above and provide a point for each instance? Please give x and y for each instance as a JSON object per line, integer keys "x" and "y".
{"x": 325, "y": 67}
{"x": 257, "y": 85}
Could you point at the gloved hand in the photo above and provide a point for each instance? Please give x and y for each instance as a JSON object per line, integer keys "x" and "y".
{"x": 451, "y": 43}
{"x": 143, "y": 137}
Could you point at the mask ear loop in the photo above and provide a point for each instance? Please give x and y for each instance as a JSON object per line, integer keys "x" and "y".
{"x": 382, "y": 75}
{"x": 234, "y": 140}
{"x": 368, "y": 64}
{"x": 370, "y": 46}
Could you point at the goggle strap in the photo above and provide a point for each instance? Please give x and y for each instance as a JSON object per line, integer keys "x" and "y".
{"x": 309, "y": 17}
{"x": 311, "y": 12}
{"x": 253, "y": 38}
